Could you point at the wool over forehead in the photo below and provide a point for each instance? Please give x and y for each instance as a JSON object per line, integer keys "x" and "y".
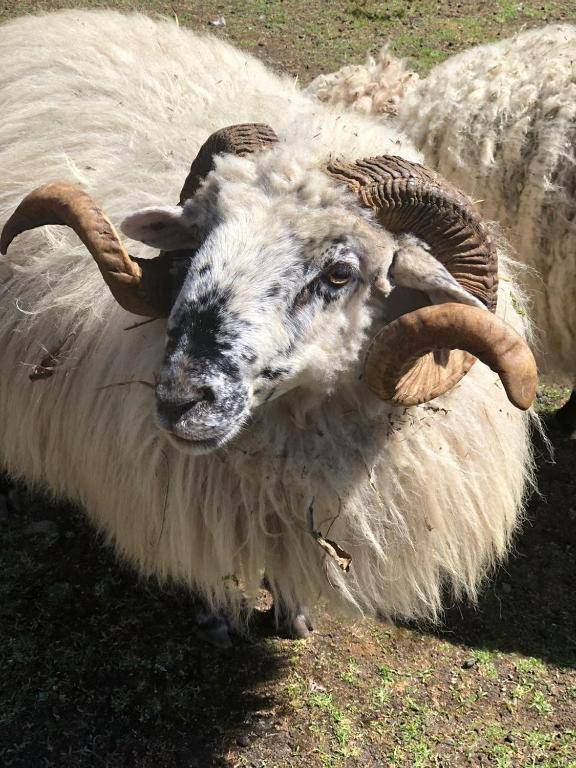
{"x": 274, "y": 196}
{"x": 278, "y": 175}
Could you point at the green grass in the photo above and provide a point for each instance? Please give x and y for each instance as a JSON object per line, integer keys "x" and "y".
{"x": 550, "y": 397}
{"x": 308, "y": 37}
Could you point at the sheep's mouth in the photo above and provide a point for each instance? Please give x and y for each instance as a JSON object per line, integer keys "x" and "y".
{"x": 193, "y": 444}
{"x": 200, "y": 419}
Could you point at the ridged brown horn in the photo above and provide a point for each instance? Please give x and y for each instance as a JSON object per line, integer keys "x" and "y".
{"x": 403, "y": 360}
{"x": 242, "y": 139}
{"x": 408, "y": 198}
{"x": 141, "y": 286}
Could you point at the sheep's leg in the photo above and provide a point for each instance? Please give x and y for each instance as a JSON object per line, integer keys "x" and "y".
{"x": 295, "y": 625}
{"x": 299, "y": 627}
{"x": 566, "y": 416}
{"x": 214, "y": 629}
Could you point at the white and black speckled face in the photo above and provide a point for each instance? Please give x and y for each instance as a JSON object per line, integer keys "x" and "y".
{"x": 276, "y": 297}
{"x": 250, "y": 323}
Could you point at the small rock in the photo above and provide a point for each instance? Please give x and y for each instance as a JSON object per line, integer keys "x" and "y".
{"x": 469, "y": 663}
{"x": 42, "y": 528}
{"x": 509, "y": 739}
{"x": 218, "y": 23}
{"x": 243, "y": 741}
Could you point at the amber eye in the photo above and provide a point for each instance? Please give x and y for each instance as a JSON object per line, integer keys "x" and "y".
{"x": 338, "y": 275}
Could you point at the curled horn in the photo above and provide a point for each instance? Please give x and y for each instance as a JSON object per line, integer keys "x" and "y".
{"x": 242, "y": 139}
{"x": 425, "y": 353}
{"x": 398, "y": 364}
{"x": 407, "y": 197}
{"x": 141, "y": 286}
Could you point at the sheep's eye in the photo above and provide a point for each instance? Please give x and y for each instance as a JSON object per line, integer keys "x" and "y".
{"x": 338, "y": 275}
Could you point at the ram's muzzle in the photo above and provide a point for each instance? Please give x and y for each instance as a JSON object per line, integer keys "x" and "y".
{"x": 203, "y": 407}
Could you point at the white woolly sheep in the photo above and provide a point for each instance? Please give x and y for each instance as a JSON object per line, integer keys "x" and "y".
{"x": 499, "y": 121}
{"x": 374, "y": 88}
{"x": 282, "y": 270}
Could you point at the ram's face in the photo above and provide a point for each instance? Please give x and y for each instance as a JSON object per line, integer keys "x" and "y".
{"x": 274, "y": 298}
{"x": 279, "y": 261}
{"x": 254, "y": 319}
{"x": 279, "y": 265}
{"x": 283, "y": 273}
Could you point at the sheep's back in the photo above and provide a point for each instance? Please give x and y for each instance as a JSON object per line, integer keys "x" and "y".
{"x": 499, "y": 120}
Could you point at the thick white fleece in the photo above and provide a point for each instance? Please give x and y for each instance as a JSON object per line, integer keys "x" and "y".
{"x": 422, "y": 498}
{"x": 498, "y": 120}
{"x": 376, "y": 87}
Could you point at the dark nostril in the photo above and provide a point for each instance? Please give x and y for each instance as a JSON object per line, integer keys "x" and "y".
{"x": 203, "y": 395}
{"x": 173, "y": 410}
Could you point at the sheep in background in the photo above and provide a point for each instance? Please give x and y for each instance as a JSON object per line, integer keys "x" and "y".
{"x": 279, "y": 421}
{"x": 499, "y": 120}
{"x": 374, "y": 88}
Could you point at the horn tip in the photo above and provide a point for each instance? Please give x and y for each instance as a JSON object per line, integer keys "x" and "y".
{"x": 524, "y": 398}
{"x": 521, "y": 389}
{"x": 5, "y": 240}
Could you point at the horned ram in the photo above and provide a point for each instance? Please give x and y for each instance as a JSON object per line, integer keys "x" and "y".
{"x": 298, "y": 399}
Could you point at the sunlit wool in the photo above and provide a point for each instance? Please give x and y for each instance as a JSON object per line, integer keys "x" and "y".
{"x": 422, "y": 498}
{"x": 498, "y": 120}
{"x": 374, "y": 88}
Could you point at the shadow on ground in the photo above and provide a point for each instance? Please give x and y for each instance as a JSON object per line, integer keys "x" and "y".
{"x": 100, "y": 668}
{"x": 530, "y": 606}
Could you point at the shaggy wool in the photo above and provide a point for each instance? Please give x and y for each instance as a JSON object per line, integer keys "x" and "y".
{"x": 424, "y": 499}
{"x": 374, "y": 88}
{"x": 499, "y": 120}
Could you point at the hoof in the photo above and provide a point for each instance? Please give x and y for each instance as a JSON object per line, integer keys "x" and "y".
{"x": 294, "y": 627}
{"x": 300, "y": 627}
{"x": 214, "y": 630}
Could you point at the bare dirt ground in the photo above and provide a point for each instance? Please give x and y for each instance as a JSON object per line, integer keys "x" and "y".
{"x": 306, "y": 37}
{"x": 99, "y": 668}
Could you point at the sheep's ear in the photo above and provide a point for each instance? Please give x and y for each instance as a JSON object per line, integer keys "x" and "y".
{"x": 413, "y": 266}
{"x": 163, "y": 227}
